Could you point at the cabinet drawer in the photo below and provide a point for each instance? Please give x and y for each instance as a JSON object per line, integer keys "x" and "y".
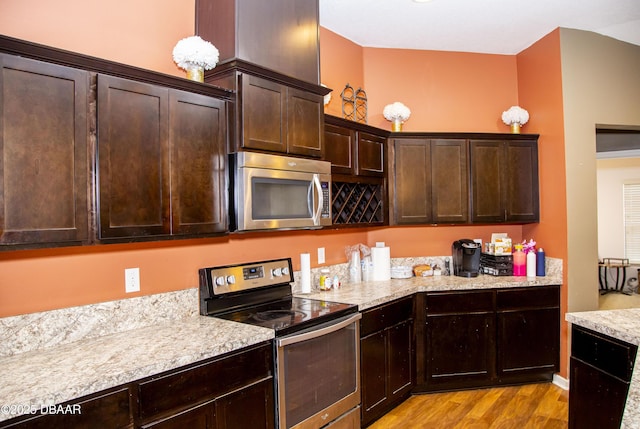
{"x": 190, "y": 386}
{"x": 608, "y": 354}
{"x": 459, "y": 302}
{"x": 385, "y": 316}
{"x": 538, "y": 297}
{"x": 112, "y": 409}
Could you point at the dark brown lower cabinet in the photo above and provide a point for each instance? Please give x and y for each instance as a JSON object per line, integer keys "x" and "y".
{"x": 387, "y": 365}
{"x": 228, "y": 392}
{"x": 481, "y": 338}
{"x": 528, "y": 334}
{"x": 459, "y": 339}
{"x": 600, "y": 372}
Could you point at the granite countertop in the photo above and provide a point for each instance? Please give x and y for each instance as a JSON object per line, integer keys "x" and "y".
{"x": 370, "y": 294}
{"x": 54, "y": 375}
{"x": 56, "y": 356}
{"x": 623, "y": 325}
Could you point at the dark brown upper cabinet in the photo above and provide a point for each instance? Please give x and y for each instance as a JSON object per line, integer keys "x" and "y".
{"x": 44, "y": 154}
{"x": 161, "y": 158}
{"x": 277, "y": 118}
{"x": 504, "y": 179}
{"x": 357, "y": 153}
{"x": 354, "y": 149}
{"x": 430, "y": 180}
{"x": 197, "y": 140}
{"x": 279, "y": 35}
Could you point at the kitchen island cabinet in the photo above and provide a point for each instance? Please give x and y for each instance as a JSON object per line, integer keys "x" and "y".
{"x": 605, "y": 350}
{"x": 387, "y": 370}
{"x": 600, "y": 374}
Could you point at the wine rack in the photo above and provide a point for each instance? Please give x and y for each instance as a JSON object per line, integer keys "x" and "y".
{"x": 357, "y": 203}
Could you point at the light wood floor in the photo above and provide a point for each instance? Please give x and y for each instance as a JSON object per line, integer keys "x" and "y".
{"x": 534, "y": 406}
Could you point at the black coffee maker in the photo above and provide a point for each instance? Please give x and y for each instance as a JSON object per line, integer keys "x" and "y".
{"x": 466, "y": 258}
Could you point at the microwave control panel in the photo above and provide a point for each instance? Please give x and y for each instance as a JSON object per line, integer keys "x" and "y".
{"x": 326, "y": 200}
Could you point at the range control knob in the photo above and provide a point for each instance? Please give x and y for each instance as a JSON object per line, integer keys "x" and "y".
{"x": 231, "y": 279}
{"x": 276, "y": 272}
{"x": 285, "y": 271}
{"x": 220, "y": 281}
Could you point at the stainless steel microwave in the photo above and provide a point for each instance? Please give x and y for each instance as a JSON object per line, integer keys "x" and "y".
{"x": 279, "y": 192}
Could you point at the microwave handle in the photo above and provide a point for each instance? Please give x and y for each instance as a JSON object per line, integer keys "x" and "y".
{"x": 318, "y": 187}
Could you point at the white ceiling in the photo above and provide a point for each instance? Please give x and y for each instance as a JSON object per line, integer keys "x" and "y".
{"x": 483, "y": 26}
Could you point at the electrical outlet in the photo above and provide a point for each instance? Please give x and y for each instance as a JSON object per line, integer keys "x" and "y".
{"x": 132, "y": 280}
{"x": 321, "y": 255}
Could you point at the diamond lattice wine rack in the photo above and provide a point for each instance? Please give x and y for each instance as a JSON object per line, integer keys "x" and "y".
{"x": 357, "y": 203}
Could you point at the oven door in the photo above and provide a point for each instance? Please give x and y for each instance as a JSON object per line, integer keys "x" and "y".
{"x": 318, "y": 374}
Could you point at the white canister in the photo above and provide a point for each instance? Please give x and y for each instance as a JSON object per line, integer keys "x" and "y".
{"x": 531, "y": 264}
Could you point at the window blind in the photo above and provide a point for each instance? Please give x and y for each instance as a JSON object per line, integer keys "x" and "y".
{"x": 632, "y": 221}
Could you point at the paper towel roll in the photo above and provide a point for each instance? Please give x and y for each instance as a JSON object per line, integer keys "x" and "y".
{"x": 381, "y": 258}
{"x": 355, "y": 269}
{"x": 305, "y": 272}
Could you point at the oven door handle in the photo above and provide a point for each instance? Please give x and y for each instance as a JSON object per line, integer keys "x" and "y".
{"x": 315, "y": 333}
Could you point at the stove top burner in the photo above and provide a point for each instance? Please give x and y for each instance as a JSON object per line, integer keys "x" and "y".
{"x": 289, "y": 315}
{"x": 264, "y": 316}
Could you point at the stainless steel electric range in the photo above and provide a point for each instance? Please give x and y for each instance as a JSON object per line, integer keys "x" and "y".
{"x": 316, "y": 347}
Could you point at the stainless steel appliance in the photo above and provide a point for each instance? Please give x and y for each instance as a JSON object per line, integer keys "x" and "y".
{"x": 466, "y": 257}
{"x": 316, "y": 346}
{"x": 279, "y": 192}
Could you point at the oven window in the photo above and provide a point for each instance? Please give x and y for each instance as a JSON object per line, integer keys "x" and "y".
{"x": 319, "y": 372}
{"x": 280, "y": 198}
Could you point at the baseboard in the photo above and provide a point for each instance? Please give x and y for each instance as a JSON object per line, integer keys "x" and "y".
{"x": 560, "y": 382}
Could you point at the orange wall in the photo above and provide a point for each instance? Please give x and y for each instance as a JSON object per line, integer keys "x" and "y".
{"x": 540, "y": 90}
{"x": 446, "y": 91}
{"x": 341, "y": 64}
{"x": 140, "y": 33}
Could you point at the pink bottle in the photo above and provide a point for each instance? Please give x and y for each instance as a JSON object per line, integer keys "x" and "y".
{"x": 519, "y": 262}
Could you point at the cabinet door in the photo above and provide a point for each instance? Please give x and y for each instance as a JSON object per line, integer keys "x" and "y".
{"x": 133, "y": 159}
{"x": 521, "y": 178}
{"x": 371, "y": 159}
{"x": 412, "y": 201}
{"x": 340, "y": 148}
{"x": 263, "y": 114}
{"x": 528, "y": 334}
{"x": 487, "y": 186}
{"x": 597, "y": 399}
{"x": 459, "y": 340}
{"x": 250, "y": 407}
{"x": 198, "y": 163}
{"x": 400, "y": 358}
{"x": 449, "y": 181}
{"x": 111, "y": 409}
{"x": 460, "y": 350}
{"x": 305, "y": 123}
{"x": 373, "y": 375}
{"x": 44, "y": 176}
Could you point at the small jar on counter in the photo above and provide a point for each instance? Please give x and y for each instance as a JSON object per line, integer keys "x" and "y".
{"x": 326, "y": 280}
